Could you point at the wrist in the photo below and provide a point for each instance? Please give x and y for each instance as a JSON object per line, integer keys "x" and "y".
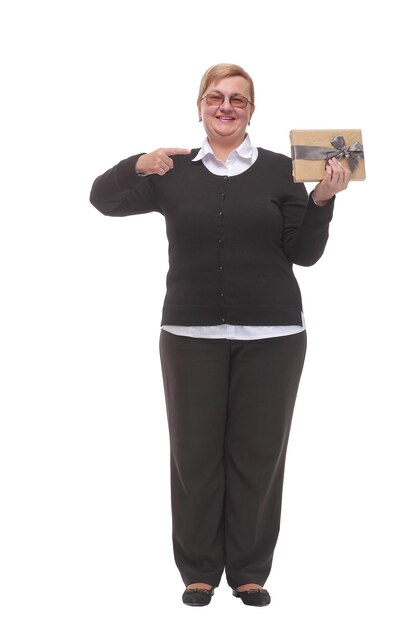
{"x": 139, "y": 171}
{"x": 319, "y": 202}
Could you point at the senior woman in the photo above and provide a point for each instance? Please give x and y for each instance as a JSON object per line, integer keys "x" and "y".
{"x": 233, "y": 338}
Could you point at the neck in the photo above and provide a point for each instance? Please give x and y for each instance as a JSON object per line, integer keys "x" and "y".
{"x": 222, "y": 149}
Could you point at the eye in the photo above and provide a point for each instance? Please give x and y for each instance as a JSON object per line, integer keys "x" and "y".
{"x": 212, "y": 98}
{"x": 238, "y": 101}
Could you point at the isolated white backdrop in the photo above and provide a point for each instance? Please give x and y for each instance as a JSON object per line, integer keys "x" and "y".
{"x": 85, "y": 521}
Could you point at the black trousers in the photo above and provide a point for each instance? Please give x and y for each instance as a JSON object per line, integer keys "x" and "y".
{"x": 229, "y": 408}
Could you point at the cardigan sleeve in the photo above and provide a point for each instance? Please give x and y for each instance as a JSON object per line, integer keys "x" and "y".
{"x": 305, "y": 225}
{"x": 304, "y": 242}
{"x": 120, "y": 191}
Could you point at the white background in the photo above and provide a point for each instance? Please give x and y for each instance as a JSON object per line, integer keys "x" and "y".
{"x": 84, "y": 458}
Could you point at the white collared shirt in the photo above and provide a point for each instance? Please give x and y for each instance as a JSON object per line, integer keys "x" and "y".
{"x": 237, "y": 162}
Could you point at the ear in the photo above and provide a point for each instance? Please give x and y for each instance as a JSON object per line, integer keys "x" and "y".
{"x": 250, "y": 117}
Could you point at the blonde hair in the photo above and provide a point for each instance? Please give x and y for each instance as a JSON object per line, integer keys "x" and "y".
{"x": 224, "y": 70}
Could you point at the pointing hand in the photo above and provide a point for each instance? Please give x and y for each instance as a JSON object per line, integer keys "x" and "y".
{"x": 159, "y": 161}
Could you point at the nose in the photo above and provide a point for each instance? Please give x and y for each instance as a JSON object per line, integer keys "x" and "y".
{"x": 226, "y": 104}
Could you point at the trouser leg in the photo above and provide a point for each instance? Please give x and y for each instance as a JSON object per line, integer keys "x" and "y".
{"x": 264, "y": 379}
{"x": 195, "y": 374}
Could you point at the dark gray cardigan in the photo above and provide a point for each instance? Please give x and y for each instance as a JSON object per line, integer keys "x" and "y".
{"x": 232, "y": 240}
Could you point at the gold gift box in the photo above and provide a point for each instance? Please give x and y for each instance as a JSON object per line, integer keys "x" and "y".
{"x": 320, "y": 149}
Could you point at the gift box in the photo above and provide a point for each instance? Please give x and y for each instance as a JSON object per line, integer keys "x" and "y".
{"x": 311, "y": 149}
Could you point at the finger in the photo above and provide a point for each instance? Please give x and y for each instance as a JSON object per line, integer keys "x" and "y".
{"x": 347, "y": 175}
{"x": 338, "y": 175}
{"x": 328, "y": 175}
{"x": 344, "y": 176}
{"x": 337, "y": 171}
{"x": 171, "y": 151}
{"x": 164, "y": 167}
{"x": 345, "y": 171}
{"x": 166, "y": 162}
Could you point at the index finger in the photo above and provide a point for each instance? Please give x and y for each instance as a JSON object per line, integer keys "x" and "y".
{"x": 169, "y": 151}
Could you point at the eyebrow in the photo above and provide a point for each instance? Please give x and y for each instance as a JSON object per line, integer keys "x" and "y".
{"x": 236, "y": 93}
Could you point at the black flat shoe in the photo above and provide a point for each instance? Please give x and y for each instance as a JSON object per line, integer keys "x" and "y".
{"x": 197, "y": 596}
{"x": 253, "y": 597}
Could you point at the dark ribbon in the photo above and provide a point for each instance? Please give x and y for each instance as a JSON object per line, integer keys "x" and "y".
{"x": 353, "y": 154}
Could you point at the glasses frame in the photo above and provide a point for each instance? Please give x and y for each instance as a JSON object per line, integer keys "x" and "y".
{"x": 220, "y": 95}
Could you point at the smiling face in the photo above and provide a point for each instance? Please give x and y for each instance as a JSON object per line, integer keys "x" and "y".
{"x": 224, "y": 124}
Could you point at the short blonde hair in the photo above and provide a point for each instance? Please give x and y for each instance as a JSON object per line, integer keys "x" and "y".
{"x": 224, "y": 70}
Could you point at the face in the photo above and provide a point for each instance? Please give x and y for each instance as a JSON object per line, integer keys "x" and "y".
{"x": 224, "y": 122}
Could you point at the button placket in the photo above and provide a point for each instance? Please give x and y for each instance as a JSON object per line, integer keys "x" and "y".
{"x": 220, "y": 250}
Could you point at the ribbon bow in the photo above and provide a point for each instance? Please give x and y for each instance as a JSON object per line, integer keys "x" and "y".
{"x": 353, "y": 154}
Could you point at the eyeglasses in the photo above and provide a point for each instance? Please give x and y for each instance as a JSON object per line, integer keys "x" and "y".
{"x": 216, "y": 99}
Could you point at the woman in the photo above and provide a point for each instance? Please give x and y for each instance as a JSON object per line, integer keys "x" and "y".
{"x": 233, "y": 339}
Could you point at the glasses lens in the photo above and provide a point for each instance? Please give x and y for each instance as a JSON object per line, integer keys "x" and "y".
{"x": 238, "y": 102}
{"x": 212, "y": 98}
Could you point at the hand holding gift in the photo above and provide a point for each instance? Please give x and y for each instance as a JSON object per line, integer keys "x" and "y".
{"x": 336, "y": 179}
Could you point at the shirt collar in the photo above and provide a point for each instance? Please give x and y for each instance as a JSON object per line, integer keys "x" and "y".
{"x": 245, "y": 149}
